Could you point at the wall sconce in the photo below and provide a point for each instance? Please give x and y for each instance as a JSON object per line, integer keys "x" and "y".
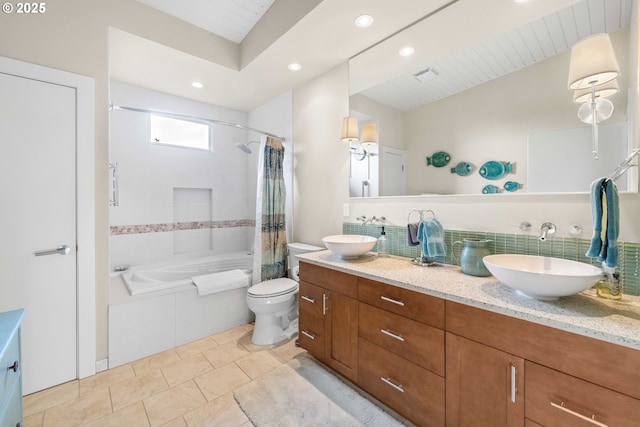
{"x": 369, "y": 134}
{"x": 593, "y": 64}
{"x": 350, "y": 130}
{"x": 351, "y": 133}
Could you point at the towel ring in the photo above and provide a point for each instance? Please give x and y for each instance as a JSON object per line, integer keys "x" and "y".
{"x": 421, "y": 212}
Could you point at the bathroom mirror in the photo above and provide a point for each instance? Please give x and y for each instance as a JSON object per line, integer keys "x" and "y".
{"x": 492, "y": 99}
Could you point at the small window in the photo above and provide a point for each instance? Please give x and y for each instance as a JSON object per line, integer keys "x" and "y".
{"x": 179, "y": 133}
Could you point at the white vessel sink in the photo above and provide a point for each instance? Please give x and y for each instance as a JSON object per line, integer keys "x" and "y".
{"x": 349, "y": 246}
{"x": 541, "y": 277}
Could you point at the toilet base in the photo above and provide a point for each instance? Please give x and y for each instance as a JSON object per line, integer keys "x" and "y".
{"x": 268, "y": 330}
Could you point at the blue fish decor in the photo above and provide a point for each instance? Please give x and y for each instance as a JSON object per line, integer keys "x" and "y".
{"x": 438, "y": 159}
{"x": 490, "y": 189}
{"x": 512, "y": 186}
{"x": 494, "y": 169}
{"x": 463, "y": 169}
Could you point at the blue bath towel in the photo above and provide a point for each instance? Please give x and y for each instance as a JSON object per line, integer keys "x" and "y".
{"x": 604, "y": 246}
{"x": 431, "y": 237}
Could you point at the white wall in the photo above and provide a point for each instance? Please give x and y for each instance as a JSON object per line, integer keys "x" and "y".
{"x": 321, "y": 163}
{"x": 167, "y": 185}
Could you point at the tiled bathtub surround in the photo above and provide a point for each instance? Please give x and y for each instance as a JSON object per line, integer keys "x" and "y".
{"x": 118, "y": 230}
{"x": 566, "y": 248}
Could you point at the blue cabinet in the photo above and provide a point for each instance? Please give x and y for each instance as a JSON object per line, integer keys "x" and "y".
{"x": 10, "y": 369}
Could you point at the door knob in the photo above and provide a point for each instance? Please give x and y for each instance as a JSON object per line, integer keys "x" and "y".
{"x": 60, "y": 250}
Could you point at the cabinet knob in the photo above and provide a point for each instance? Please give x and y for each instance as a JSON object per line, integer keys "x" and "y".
{"x": 13, "y": 367}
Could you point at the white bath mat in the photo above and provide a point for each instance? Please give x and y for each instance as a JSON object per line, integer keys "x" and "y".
{"x": 302, "y": 393}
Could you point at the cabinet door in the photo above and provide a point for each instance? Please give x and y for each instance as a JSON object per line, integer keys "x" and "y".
{"x": 484, "y": 386}
{"x": 341, "y": 334}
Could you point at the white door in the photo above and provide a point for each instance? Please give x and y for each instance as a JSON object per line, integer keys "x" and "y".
{"x": 394, "y": 173}
{"x": 38, "y": 213}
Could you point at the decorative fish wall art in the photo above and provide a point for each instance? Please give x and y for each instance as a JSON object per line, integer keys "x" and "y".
{"x": 491, "y": 189}
{"x": 462, "y": 169}
{"x": 438, "y": 159}
{"x": 512, "y": 186}
{"x": 494, "y": 169}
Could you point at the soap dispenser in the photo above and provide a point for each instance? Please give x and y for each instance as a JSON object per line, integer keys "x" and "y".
{"x": 383, "y": 249}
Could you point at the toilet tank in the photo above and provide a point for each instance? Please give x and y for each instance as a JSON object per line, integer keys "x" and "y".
{"x": 298, "y": 249}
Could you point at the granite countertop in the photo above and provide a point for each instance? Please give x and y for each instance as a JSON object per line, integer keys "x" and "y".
{"x": 617, "y": 322}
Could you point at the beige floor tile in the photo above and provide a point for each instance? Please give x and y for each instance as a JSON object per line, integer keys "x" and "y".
{"x": 156, "y": 361}
{"x": 222, "y": 380}
{"x": 257, "y": 364}
{"x": 186, "y": 369}
{"x": 38, "y": 402}
{"x": 136, "y": 389}
{"x": 35, "y": 420}
{"x": 79, "y": 411}
{"x": 131, "y": 416}
{"x": 234, "y": 334}
{"x": 223, "y": 411}
{"x": 195, "y": 347}
{"x": 287, "y": 351}
{"x": 106, "y": 378}
{"x": 173, "y": 403}
{"x": 226, "y": 353}
{"x": 178, "y": 422}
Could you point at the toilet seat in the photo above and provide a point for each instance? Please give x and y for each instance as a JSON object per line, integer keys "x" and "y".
{"x": 273, "y": 288}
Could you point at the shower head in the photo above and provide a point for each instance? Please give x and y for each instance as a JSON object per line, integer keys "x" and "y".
{"x": 245, "y": 147}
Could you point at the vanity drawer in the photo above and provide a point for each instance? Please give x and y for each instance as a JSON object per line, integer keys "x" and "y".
{"x": 311, "y": 319}
{"x": 411, "y": 340}
{"x": 556, "y": 399}
{"x": 10, "y": 357}
{"x": 411, "y": 304}
{"x": 412, "y": 391}
{"x": 332, "y": 280}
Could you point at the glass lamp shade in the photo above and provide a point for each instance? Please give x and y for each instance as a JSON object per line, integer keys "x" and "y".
{"x": 592, "y": 62}
{"x": 349, "y": 129}
{"x": 602, "y": 109}
{"x": 601, "y": 91}
{"x": 369, "y": 134}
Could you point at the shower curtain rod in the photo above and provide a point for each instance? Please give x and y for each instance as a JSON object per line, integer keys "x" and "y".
{"x": 184, "y": 116}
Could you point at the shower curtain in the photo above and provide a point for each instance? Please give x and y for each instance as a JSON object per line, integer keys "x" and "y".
{"x": 270, "y": 242}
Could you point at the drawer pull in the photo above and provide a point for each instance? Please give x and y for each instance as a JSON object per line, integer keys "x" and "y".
{"x": 324, "y": 304}
{"x": 389, "y": 382}
{"x": 13, "y": 367}
{"x": 513, "y": 384}
{"x": 308, "y": 335}
{"x": 309, "y": 299}
{"x": 391, "y": 300}
{"x": 591, "y": 419}
{"x": 392, "y": 335}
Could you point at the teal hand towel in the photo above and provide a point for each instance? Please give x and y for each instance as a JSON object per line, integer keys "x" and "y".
{"x": 596, "y": 211}
{"x": 609, "y": 252}
{"x": 431, "y": 237}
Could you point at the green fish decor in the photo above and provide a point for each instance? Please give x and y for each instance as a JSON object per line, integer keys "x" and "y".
{"x": 438, "y": 159}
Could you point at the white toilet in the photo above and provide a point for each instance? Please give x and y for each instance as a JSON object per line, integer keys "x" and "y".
{"x": 275, "y": 302}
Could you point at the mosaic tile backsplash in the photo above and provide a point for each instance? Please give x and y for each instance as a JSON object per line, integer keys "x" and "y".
{"x": 501, "y": 243}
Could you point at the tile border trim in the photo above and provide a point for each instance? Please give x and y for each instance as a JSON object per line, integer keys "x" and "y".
{"x": 120, "y": 230}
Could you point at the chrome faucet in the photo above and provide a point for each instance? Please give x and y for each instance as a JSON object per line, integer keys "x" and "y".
{"x": 546, "y": 229}
{"x": 371, "y": 220}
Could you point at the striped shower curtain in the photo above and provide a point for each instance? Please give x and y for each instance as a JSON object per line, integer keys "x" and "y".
{"x": 271, "y": 233}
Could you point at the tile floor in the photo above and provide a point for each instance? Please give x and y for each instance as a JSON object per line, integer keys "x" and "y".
{"x": 188, "y": 386}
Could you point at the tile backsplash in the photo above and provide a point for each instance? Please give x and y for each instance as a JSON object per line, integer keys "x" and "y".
{"x": 567, "y": 248}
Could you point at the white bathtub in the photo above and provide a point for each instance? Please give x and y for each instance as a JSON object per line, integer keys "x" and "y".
{"x": 153, "y": 308}
{"x": 145, "y": 279}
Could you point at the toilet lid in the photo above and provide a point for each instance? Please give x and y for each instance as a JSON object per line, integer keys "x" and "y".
{"x": 273, "y": 288}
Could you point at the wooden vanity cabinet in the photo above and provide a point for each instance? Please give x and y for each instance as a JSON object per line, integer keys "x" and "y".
{"x": 401, "y": 350}
{"x": 566, "y": 380}
{"x": 328, "y": 322}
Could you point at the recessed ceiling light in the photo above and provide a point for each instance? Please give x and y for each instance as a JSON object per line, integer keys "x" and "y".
{"x": 520, "y": 1}
{"x": 407, "y": 51}
{"x": 197, "y": 85}
{"x": 294, "y": 66}
{"x": 363, "y": 21}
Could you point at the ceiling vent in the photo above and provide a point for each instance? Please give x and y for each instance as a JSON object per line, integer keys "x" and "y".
{"x": 426, "y": 74}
